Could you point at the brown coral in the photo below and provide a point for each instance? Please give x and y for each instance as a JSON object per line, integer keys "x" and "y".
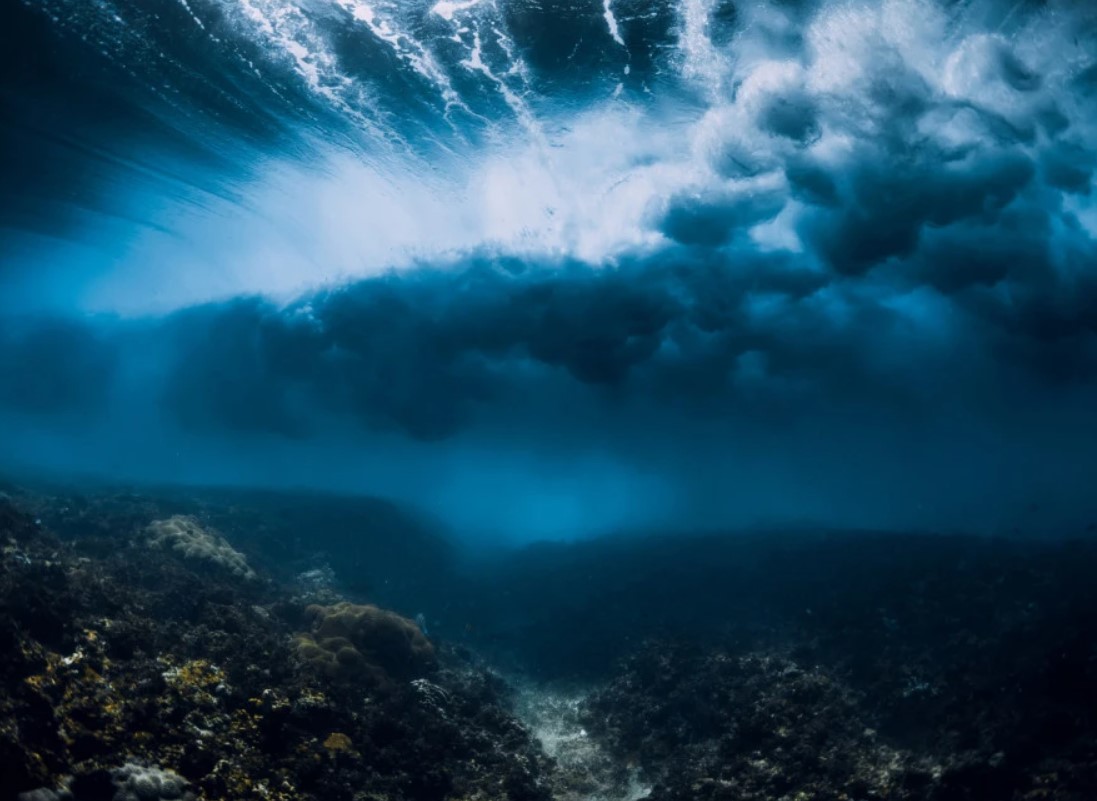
{"x": 352, "y": 642}
{"x": 186, "y": 536}
{"x": 337, "y": 742}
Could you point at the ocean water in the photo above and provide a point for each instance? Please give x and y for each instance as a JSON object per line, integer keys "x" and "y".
{"x": 548, "y": 399}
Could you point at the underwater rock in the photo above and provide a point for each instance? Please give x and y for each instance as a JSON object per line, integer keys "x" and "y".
{"x": 705, "y": 724}
{"x": 44, "y": 794}
{"x": 905, "y": 669}
{"x": 16, "y": 525}
{"x": 188, "y": 537}
{"x": 115, "y": 655}
{"x": 142, "y": 783}
{"x": 354, "y": 642}
{"x": 131, "y": 782}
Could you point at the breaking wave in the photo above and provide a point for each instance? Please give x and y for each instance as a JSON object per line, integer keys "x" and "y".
{"x": 213, "y": 147}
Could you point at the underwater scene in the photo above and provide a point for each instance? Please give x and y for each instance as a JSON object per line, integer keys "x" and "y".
{"x": 548, "y": 400}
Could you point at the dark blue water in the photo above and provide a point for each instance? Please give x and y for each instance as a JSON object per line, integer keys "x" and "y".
{"x": 550, "y": 269}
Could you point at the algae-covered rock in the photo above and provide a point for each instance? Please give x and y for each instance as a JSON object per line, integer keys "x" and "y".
{"x": 354, "y": 642}
{"x": 131, "y": 782}
{"x": 144, "y": 783}
{"x": 186, "y": 536}
{"x": 116, "y": 657}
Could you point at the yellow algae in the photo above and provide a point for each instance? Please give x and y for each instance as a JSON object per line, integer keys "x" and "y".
{"x": 338, "y": 741}
{"x": 39, "y": 681}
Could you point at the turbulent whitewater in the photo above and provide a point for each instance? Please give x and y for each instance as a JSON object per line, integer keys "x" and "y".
{"x": 264, "y": 145}
{"x": 618, "y": 262}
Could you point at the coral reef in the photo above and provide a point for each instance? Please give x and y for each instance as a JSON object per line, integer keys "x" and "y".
{"x": 110, "y": 659}
{"x": 188, "y": 537}
{"x": 145, "y": 783}
{"x": 705, "y": 724}
{"x": 131, "y": 782}
{"x": 353, "y": 642}
{"x": 785, "y": 668}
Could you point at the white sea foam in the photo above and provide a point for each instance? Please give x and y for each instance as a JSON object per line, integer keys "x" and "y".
{"x": 407, "y": 48}
{"x": 591, "y": 179}
{"x": 448, "y": 9}
{"x": 611, "y": 22}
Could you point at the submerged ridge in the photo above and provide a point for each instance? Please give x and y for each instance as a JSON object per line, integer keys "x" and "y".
{"x": 822, "y": 665}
